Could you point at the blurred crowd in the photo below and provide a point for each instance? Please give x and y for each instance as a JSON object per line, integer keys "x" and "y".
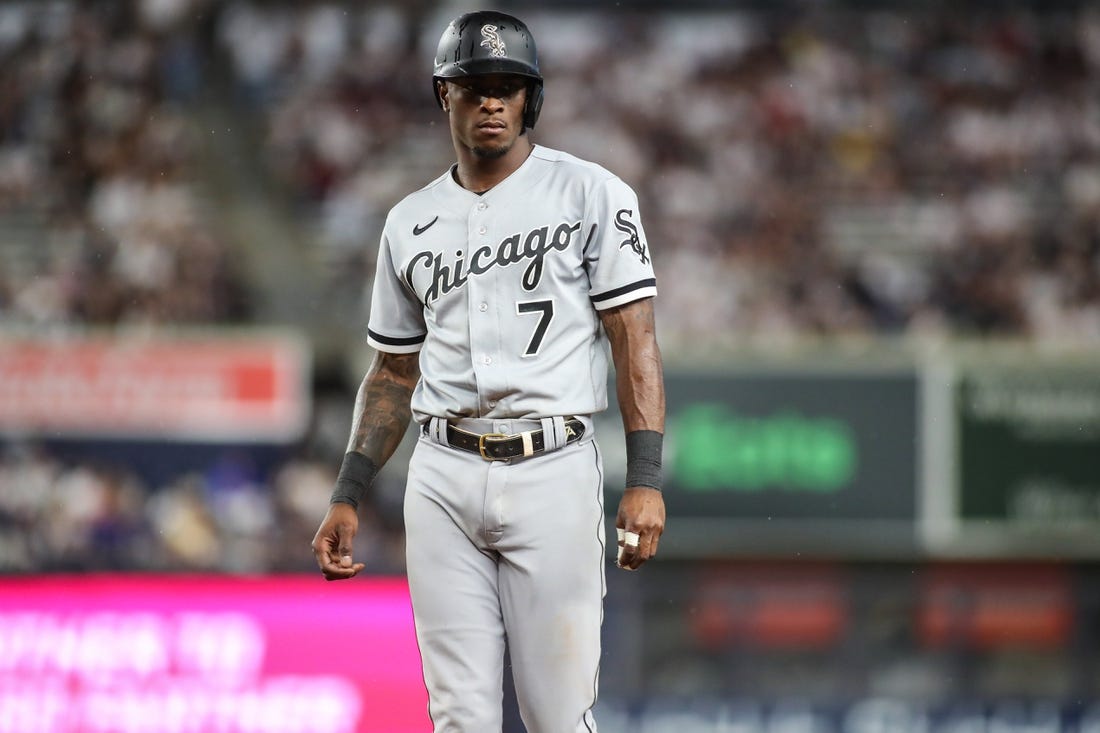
{"x": 59, "y": 514}
{"x": 101, "y": 217}
{"x": 819, "y": 169}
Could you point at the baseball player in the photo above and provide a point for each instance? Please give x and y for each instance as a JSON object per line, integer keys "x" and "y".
{"x": 498, "y": 288}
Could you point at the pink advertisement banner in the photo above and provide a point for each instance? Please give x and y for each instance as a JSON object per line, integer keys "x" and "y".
{"x": 195, "y": 654}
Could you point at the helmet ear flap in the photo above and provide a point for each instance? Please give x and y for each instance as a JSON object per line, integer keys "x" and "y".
{"x": 533, "y": 105}
{"x": 435, "y": 91}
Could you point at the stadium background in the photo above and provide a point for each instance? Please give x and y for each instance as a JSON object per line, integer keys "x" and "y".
{"x": 877, "y": 233}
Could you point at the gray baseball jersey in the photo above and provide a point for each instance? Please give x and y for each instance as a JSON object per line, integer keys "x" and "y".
{"x": 500, "y": 291}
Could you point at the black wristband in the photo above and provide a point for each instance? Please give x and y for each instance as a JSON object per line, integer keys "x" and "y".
{"x": 356, "y": 475}
{"x": 643, "y": 458}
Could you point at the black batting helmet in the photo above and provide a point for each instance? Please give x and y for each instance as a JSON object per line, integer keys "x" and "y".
{"x": 488, "y": 42}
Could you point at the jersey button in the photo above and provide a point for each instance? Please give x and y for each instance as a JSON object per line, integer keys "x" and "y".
{"x": 488, "y": 360}
{"x": 492, "y": 403}
{"x": 482, "y": 230}
{"x": 483, "y": 307}
{"x": 482, "y": 206}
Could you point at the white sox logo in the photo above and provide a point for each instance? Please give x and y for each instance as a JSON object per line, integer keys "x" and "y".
{"x": 627, "y": 227}
{"x": 493, "y": 41}
{"x": 534, "y": 246}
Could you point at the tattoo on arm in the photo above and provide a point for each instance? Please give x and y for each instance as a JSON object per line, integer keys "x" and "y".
{"x": 639, "y": 374}
{"x": 382, "y": 411}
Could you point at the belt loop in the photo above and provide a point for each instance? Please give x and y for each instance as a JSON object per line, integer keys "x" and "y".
{"x": 437, "y": 430}
{"x": 553, "y": 432}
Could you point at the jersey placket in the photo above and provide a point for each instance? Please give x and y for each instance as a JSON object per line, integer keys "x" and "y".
{"x": 484, "y": 311}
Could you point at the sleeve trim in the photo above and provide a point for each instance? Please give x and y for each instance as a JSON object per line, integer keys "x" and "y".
{"x": 616, "y": 294}
{"x": 625, "y": 294}
{"x": 395, "y": 345}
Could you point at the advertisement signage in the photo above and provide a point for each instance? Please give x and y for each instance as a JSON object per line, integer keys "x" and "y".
{"x": 875, "y": 714}
{"x": 186, "y": 654}
{"x": 1029, "y": 449}
{"x": 815, "y": 447}
{"x": 232, "y": 386}
{"x": 784, "y": 461}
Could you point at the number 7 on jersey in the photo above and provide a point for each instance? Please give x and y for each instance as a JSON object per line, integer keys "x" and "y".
{"x": 545, "y": 309}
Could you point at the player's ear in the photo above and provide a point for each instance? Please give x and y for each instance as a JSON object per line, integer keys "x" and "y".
{"x": 441, "y": 93}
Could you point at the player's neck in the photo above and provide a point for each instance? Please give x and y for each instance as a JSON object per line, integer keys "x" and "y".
{"x": 479, "y": 174}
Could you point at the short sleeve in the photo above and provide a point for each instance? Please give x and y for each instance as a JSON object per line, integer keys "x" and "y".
{"x": 617, "y": 253}
{"x": 396, "y": 323}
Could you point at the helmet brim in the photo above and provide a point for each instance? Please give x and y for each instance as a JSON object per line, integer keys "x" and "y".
{"x": 484, "y": 67}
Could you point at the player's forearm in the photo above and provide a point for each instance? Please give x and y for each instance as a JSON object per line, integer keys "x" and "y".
{"x": 382, "y": 411}
{"x": 639, "y": 374}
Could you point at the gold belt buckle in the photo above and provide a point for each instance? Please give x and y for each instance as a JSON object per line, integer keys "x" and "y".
{"x": 481, "y": 445}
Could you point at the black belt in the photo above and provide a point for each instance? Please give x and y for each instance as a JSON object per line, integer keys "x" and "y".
{"x": 501, "y": 447}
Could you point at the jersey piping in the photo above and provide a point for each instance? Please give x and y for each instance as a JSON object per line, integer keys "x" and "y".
{"x": 395, "y": 345}
{"x": 625, "y": 294}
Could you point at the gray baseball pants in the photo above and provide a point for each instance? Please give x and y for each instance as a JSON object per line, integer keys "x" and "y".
{"x": 507, "y": 550}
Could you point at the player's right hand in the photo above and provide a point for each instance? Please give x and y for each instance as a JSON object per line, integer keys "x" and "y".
{"x": 332, "y": 543}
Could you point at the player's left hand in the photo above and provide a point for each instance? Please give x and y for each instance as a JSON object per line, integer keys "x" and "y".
{"x": 642, "y": 517}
